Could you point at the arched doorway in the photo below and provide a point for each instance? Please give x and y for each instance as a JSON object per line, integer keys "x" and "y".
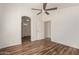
{"x": 26, "y": 29}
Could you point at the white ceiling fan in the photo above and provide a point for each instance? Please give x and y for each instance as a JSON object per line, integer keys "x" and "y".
{"x": 44, "y": 9}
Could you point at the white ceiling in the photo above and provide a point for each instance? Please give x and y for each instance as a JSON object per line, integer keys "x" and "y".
{"x": 62, "y": 5}
{"x": 39, "y": 5}
{"x": 50, "y": 5}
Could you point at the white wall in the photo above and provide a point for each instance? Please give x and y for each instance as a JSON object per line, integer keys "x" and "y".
{"x": 10, "y": 26}
{"x": 65, "y": 26}
{"x": 40, "y": 27}
{"x": 10, "y": 23}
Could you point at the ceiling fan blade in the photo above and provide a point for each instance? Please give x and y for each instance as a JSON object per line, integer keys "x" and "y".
{"x": 39, "y": 13}
{"x": 37, "y": 9}
{"x": 47, "y": 13}
{"x": 44, "y": 5}
{"x": 51, "y": 9}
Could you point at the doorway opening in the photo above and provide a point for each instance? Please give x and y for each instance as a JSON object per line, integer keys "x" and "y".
{"x": 26, "y": 29}
{"x": 47, "y": 29}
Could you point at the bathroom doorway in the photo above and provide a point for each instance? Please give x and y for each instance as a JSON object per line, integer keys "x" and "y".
{"x": 26, "y": 29}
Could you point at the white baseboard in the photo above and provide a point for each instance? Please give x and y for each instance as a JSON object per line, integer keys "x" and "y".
{"x": 64, "y": 43}
{"x": 9, "y": 44}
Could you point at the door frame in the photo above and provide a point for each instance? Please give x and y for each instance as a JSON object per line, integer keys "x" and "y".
{"x": 45, "y": 30}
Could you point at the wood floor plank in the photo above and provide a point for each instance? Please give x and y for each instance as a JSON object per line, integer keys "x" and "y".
{"x": 40, "y": 47}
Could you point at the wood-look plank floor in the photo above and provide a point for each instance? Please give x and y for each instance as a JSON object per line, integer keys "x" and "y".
{"x": 40, "y": 47}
